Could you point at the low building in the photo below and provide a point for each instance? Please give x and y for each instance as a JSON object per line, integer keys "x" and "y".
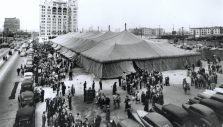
{"x": 206, "y": 31}
{"x": 149, "y": 32}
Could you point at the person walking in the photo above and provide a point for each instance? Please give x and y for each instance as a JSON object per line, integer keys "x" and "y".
{"x": 70, "y": 101}
{"x": 70, "y": 75}
{"x": 143, "y": 97}
{"x": 18, "y": 71}
{"x": 115, "y": 100}
{"x": 85, "y": 85}
{"x": 93, "y": 85}
{"x": 114, "y": 90}
{"x": 146, "y": 103}
{"x": 98, "y": 121}
{"x": 118, "y": 99}
{"x": 63, "y": 89}
{"x": 72, "y": 90}
{"x": 42, "y": 95}
{"x": 100, "y": 84}
{"x": 185, "y": 85}
{"x": 43, "y": 119}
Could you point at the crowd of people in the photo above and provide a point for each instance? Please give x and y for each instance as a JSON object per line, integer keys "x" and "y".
{"x": 153, "y": 82}
{"x": 204, "y": 78}
{"x": 54, "y": 69}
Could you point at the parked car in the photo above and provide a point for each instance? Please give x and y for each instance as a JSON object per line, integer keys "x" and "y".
{"x": 218, "y": 90}
{"x": 204, "y": 95}
{"x": 16, "y": 48}
{"x": 28, "y": 75}
{"x": 202, "y": 116}
{"x": 29, "y": 62}
{"x": 29, "y": 68}
{"x": 27, "y": 85}
{"x": 22, "y": 54}
{"x": 26, "y": 98}
{"x": 178, "y": 116}
{"x": 194, "y": 100}
{"x": 214, "y": 105}
{"x": 25, "y": 117}
{"x": 155, "y": 120}
{"x": 217, "y": 97}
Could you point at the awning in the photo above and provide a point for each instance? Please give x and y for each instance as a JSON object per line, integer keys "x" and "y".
{"x": 70, "y": 55}
{"x": 54, "y": 45}
{"x": 58, "y": 47}
{"x": 63, "y": 50}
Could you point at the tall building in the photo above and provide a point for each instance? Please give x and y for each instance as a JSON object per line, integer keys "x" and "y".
{"x": 206, "y": 31}
{"x": 57, "y": 17}
{"x": 11, "y": 25}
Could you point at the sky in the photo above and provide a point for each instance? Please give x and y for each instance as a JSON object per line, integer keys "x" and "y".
{"x": 136, "y": 13}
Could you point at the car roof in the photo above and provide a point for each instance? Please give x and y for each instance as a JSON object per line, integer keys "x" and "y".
{"x": 26, "y": 111}
{"x": 203, "y": 95}
{"x": 27, "y": 94}
{"x": 212, "y": 103}
{"x": 27, "y": 82}
{"x": 158, "y": 119}
{"x": 129, "y": 123}
{"x": 202, "y": 109}
{"x": 28, "y": 73}
{"x": 217, "y": 97}
{"x": 175, "y": 110}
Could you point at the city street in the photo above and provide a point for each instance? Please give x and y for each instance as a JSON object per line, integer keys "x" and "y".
{"x": 8, "y": 77}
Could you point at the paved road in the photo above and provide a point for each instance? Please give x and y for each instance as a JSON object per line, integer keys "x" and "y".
{"x": 8, "y": 77}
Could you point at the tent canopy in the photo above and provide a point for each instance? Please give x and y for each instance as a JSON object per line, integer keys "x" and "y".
{"x": 127, "y": 46}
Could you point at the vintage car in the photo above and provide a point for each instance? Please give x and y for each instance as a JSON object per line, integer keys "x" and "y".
{"x": 28, "y": 75}
{"x": 29, "y": 68}
{"x": 178, "y": 116}
{"x": 23, "y": 54}
{"x": 26, "y": 98}
{"x": 25, "y": 117}
{"x": 194, "y": 100}
{"x": 203, "y": 95}
{"x": 26, "y": 85}
{"x": 128, "y": 123}
{"x": 202, "y": 116}
{"x": 217, "y": 97}
{"x": 218, "y": 90}
{"x": 154, "y": 119}
{"x": 214, "y": 105}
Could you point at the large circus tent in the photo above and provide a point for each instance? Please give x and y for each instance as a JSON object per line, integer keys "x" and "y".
{"x": 109, "y": 54}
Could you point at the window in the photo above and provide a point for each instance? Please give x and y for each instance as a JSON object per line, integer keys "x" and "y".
{"x": 54, "y": 10}
{"x": 59, "y": 11}
{"x": 64, "y": 11}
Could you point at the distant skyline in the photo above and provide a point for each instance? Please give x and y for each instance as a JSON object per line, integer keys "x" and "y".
{"x": 136, "y": 13}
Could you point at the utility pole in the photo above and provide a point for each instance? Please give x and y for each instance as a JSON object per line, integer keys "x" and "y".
{"x": 125, "y": 27}
{"x": 183, "y": 35}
